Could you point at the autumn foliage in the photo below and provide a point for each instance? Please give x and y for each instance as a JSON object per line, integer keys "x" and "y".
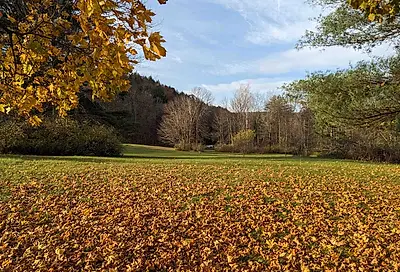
{"x": 377, "y": 10}
{"x": 243, "y": 141}
{"x": 209, "y": 216}
{"x": 52, "y": 49}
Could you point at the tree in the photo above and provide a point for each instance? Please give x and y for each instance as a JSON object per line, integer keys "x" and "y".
{"x": 201, "y": 102}
{"x": 184, "y": 121}
{"x": 242, "y": 104}
{"x": 222, "y": 125}
{"x": 258, "y": 117}
{"x": 356, "y": 110}
{"x": 51, "y": 49}
{"x": 363, "y": 95}
{"x": 349, "y": 27}
{"x": 279, "y": 117}
{"x": 378, "y": 10}
{"x": 175, "y": 127}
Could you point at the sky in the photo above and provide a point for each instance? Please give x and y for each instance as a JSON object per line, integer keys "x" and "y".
{"x": 221, "y": 44}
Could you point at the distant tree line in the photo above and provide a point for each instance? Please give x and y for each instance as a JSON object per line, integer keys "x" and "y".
{"x": 302, "y": 121}
{"x": 297, "y": 122}
{"x": 249, "y": 123}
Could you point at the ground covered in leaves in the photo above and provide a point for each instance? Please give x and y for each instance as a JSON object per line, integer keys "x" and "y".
{"x": 198, "y": 215}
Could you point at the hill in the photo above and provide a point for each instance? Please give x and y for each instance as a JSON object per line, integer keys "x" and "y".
{"x": 135, "y": 114}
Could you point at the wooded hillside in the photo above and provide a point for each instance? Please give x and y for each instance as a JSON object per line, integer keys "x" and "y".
{"x": 135, "y": 114}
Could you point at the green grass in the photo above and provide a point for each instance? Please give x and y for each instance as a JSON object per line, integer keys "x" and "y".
{"x": 158, "y": 209}
{"x": 142, "y": 154}
{"x": 143, "y": 151}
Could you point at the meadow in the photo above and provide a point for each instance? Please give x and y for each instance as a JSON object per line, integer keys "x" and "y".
{"x": 157, "y": 209}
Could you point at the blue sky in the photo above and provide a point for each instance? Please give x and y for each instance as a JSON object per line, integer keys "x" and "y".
{"x": 220, "y": 44}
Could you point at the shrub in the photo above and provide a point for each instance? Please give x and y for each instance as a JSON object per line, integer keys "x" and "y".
{"x": 224, "y": 148}
{"x": 183, "y": 147}
{"x": 198, "y": 147}
{"x": 100, "y": 141}
{"x": 58, "y": 136}
{"x": 365, "y": 152}
{"x": 11, "y": 136}
{"x": 273, "y": 149}
{"x": 243, "y": 141}
{"x": 189, "y": 147}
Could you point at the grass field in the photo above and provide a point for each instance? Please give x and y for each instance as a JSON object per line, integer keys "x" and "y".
{"x": 161, "y": 210}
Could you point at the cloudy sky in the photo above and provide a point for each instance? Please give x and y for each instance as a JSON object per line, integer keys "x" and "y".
{"x": 220, "y": 44}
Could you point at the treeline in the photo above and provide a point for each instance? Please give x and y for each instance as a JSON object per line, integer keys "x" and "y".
{"x": 249, "y": 123}
{"x": 308, "y": 118}
{"x": 352, "y": 113}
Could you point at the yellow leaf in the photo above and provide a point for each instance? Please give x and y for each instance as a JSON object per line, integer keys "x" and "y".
{"x": 371, "y": 17}
{"x": 6, "y": 263}
{"x": 103, "y": 39}
{"x": 35, "y": 120}
{"x": 119, "y": 59}
{"x": 90, "y": 7}
{"x": 155, "y": 41}
{"x": 304, "y": 268}
{"x": 12, "y": 20}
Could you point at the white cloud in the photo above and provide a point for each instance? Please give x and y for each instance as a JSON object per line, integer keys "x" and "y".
{"x": 273, "y": 21}
{"x": 260, "y": 85}
{"x": 204, "y": 46}
{"x": 266, "y": 87}
{"x": 303, "y": 60}
{"x": 266, "y": 33}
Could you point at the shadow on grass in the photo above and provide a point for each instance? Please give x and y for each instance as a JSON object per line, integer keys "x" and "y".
{"x": 63, "y": 158}
{"x": 133, "y": 158}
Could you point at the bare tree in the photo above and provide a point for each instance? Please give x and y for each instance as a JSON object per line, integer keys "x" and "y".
{"x": 184, "y": 119}
{"x": 203, "y": 95}
{"x": 222, "y": 125}
{"x": 279, "y": 120}
{"x": 201, "y": 102}
{"x": 258, "y": 117}
{"x": 174, "y": 125}
{"x": 242, "y": 104}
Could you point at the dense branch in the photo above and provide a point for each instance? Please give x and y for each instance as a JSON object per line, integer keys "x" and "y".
{"x": 347, "y": 27}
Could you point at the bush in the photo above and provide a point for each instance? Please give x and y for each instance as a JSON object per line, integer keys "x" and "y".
{"x": 243, "y": 141}
{"x": 224, "y": 148}
{"x": 100, "y": 141}
{"x": 273, "y": 149}
{"x": 12, "y": 136}
{"x": 365, "y": 152}
{"x": 189, "y": 147}
{"x": 198, "y": 147}
{"x": 59, "y": 137}
{"x": 183, "y": 147}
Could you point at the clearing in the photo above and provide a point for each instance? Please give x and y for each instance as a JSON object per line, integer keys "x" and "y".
{"x": 162, "y": 210}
